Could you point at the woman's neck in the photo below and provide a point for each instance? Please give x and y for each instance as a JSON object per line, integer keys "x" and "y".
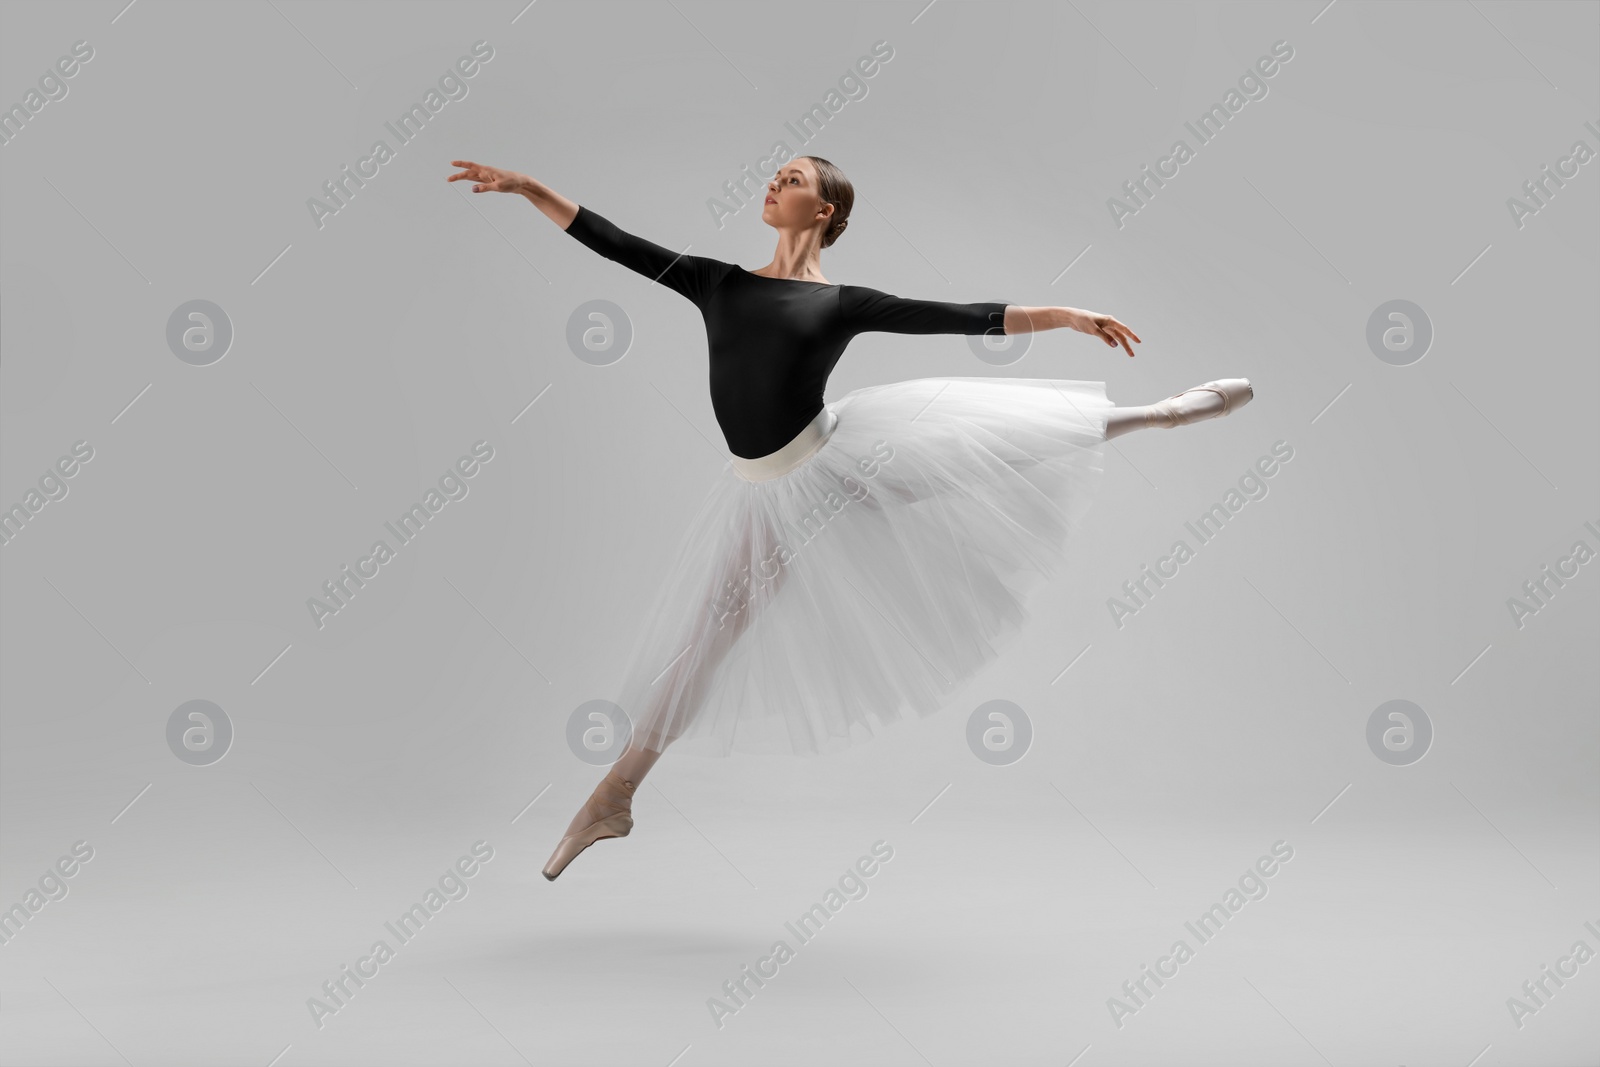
{"x": 796, "y": 261}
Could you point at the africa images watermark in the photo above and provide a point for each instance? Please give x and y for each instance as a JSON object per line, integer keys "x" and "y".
{"x": 1538, "y": 189}
{"x": 1252, "y": 886}
{"x": 1532, "y": 989}
{"x": 1540, "y": 589}
{"x": 52, "y": 86}
{"x": 852, "y": 885}
{"x": 1212, "y": 122}
{"x": 452, "y": 886}
{"x": 1252, "y": 486}
{"x": 850, "y": 88}
{"x": 52, "y": 486}
{"x": 52, "y": 886}
{"x": 452, "y": 486}
{"x": 412, "y": 122}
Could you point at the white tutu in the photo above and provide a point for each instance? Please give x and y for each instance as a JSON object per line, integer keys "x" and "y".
{"x": 808, "y": 610}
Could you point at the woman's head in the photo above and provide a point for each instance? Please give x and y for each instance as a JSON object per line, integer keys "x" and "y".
{"x": 810, "y": 193}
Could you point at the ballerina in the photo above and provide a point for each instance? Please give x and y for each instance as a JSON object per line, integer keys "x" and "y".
{"x": 856, "y": 558}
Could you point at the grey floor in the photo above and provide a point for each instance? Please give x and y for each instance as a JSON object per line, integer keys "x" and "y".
{"x": 1013, "y": 908}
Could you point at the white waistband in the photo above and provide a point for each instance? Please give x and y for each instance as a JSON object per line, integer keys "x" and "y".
{"x": 791, "y": 455}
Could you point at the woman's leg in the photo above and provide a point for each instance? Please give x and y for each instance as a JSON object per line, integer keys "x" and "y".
{"x": 1123, "y": 420}
{"x": 678, "y": 693}
{"x": 1192, "y": 405}
{"x": 615, "y": 790}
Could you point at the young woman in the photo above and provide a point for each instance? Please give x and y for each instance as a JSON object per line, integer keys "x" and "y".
{"x": 860, "y": 557}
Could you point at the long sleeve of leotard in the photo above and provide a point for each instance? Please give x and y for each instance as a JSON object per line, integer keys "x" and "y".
{"x": 692, "y": 276}
{"x": 866, "y": 310}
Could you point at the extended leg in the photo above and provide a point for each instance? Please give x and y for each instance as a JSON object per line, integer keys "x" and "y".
{"x": 1202, "y": 402}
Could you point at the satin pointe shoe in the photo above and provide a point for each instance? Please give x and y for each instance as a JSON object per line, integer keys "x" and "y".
{"x": 1235, "y": 394}
{"x": 617, "y": 824}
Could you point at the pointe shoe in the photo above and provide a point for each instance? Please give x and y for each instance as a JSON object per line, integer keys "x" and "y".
{"x": 618, "y": 824}
{"x": 1235, "y": 394}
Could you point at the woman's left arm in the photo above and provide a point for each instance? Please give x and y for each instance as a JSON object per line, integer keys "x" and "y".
{"x": 866, "y": 309}
{"x": 1019, "y": 319}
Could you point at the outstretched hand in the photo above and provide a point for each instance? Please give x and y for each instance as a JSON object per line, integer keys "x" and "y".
{"x": 489, "y": 179}
{"x": 1104, "y": 327}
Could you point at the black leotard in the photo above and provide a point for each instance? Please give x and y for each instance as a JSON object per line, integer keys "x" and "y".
{"x": 774, "y": 341}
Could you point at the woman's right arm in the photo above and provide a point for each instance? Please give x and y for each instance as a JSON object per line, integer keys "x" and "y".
{"x": 694, "y": 277}
{"x": 560, "y": 210}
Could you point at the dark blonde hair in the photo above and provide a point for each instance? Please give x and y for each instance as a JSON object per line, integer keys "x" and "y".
{"x": 833, "y": 188}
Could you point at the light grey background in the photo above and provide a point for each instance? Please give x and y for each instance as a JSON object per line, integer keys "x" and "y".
{"x": 369, "y": 354}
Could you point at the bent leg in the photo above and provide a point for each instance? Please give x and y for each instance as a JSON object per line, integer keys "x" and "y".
{"x": 747, "y": 579}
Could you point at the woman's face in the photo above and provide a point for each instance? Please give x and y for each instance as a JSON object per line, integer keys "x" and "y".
{"x": 793, "y": 200}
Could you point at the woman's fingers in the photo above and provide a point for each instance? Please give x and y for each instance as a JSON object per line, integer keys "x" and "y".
{"x": 1124, "y": 329}
{"x": 1116, "y": 333}
{"x": 477, "y": 172}
{"x": 489, "y": 179}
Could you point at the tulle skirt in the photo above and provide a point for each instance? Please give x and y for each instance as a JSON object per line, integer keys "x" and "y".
{"x": 808, "y": 610}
